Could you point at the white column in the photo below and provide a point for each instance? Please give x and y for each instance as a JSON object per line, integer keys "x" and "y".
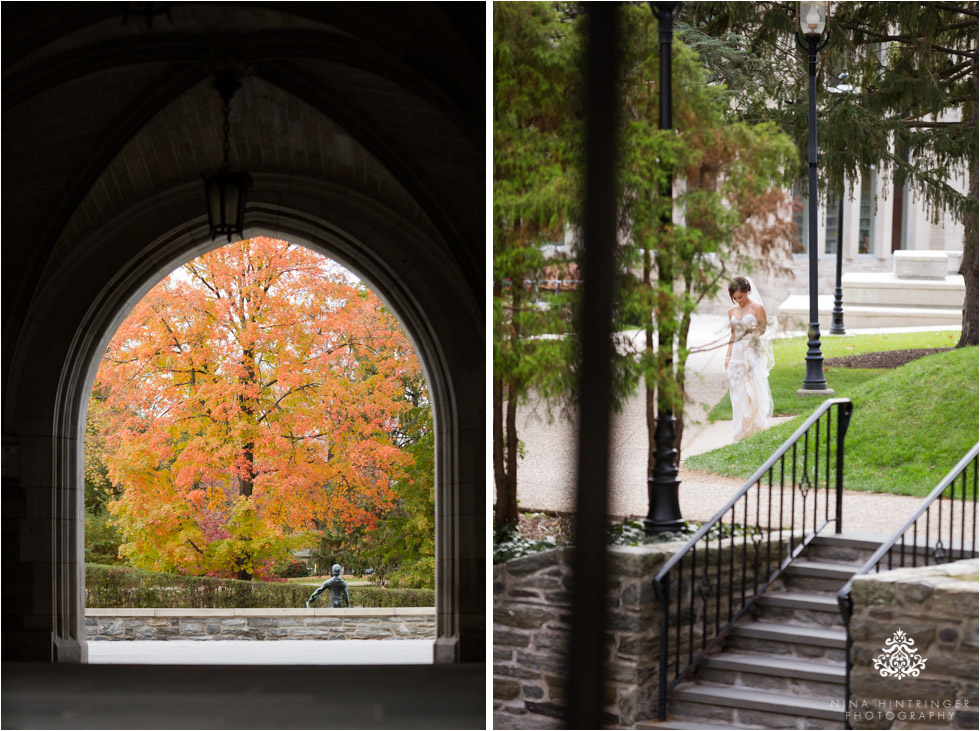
{"x": 882, "y": 226}
{"x": 852, "y": 219}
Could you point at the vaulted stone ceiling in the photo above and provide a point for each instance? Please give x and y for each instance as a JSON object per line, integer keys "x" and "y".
{"x": 105, "y": 103}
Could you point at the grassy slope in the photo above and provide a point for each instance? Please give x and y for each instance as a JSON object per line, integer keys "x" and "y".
{"x": 787, "y": 375}
{"x": 910, "y": 426}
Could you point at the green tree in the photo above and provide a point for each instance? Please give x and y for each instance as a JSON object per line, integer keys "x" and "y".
{"x": 102, "y": 537}
{"x": 533, "y": 125}
{"x": 732, "y": 177}
{"x": 913, "y": 111}
{"x": 250, "y": 396}
{"x": 734, "y": 174}
{"x": 400, "y": 547}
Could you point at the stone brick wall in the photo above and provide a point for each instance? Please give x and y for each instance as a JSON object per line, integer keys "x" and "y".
{"x": 531, "y": 622}
{"x": 935, "y": 606}
{"x": 356, "y": 623}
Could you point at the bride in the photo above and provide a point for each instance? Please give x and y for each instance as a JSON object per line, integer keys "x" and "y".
{"x": 748, "y": 361}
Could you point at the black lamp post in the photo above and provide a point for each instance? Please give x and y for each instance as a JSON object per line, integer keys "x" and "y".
{"x": 225, "y": 190}
{"x": 837, "y": 316}
{"x": 662, "y": 484}
{"x": 813, "y": 21}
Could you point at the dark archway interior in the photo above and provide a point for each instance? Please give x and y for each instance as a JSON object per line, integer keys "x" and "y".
{"x": 362, "y": 126}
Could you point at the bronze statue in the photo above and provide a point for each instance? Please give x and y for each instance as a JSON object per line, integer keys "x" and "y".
{"x": 338, "y": 590}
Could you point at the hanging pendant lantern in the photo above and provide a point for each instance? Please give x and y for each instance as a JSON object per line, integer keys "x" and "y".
{"x": 225, "y": 191}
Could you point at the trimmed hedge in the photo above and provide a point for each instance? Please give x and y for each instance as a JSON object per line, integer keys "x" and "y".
{"x": 376, "y": 596}
{"x": 122, "y": 587}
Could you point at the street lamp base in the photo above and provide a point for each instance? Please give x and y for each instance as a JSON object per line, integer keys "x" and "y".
{"x": 653, "y": 527}
{"x": 804, "y": 392}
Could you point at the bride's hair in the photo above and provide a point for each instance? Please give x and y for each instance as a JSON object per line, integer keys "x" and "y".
{"x": 738, "y": 284}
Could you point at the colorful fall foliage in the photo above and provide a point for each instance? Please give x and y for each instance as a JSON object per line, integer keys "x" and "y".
{"x": 250, "y": 400}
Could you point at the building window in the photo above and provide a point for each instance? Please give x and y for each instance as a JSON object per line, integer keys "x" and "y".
{"x": 866, "y": 232}
{"x": 830, "y": 224}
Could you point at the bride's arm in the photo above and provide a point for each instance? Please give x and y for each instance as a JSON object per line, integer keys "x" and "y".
{"x": 731, "y": 340}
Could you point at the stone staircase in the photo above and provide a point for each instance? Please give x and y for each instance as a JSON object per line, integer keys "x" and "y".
{"x": 783, "y": 666}
{"x": 923, "y": 291}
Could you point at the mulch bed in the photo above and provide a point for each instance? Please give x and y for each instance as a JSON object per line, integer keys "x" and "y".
{"x": 884, "y": 359}
{"x": 538, "y": 526}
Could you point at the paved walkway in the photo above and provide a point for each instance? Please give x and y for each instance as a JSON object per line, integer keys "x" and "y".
{"x": 240, "y": 652}
{"x": 546, "y": 475}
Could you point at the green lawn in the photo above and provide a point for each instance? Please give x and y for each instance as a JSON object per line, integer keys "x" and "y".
{"x": 787, "y": 375}
{"x": 910, "y": 424}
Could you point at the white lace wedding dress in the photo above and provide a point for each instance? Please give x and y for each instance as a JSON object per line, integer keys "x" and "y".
{"x": 748, "y": 379}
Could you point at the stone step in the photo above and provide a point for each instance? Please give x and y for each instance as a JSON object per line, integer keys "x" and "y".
{"x": 799, "y": 607}
{"x": 777, "y": 674}
{"x": 794, "y": 314}
{"x": 802, "y": 641}
{"x": 753, "y": 708}
{"x": 800, "y": 600}
{"x": 822, "y": 569}
{"x": 846, "y": 547}
{"x": 817, "y": 576}
{"x": 856, "y": 548}
{"x": 885, "y": 289}
{"x": 790, "y": 633}
{"x": 825, "y": 672}
{"x": 684, "y": 725}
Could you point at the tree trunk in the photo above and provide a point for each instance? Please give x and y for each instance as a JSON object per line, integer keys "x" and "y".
{"x": 680, "y": 376}
{"x": 504, "y": 505}
{"x": 968, "y": 267}
{"x": 510, "y": 513}
{"x": 505, "y": 427}
{"x": 245, "y": 485}
{"x": 246, "y": 481}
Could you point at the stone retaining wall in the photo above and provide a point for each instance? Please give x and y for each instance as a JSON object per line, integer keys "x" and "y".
{"x": 936, "y": 608}
{"x": 357, "y": 623}
{"x": 531, "y": 615}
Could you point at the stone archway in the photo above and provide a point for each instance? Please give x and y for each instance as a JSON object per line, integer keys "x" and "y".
{"x": 363, "y": 132}
{"x": 83, "y": 305}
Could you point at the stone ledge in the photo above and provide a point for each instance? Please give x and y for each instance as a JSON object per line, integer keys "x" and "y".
{"x": 881, "y": 587}
{"x": 159, "y": 625}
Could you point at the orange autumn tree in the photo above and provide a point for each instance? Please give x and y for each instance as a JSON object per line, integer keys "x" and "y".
{"x": 251, "y": 398}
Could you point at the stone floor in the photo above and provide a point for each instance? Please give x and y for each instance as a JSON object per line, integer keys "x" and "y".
{"x": 49, "y": 696}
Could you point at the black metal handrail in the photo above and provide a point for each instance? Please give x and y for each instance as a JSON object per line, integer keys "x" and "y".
{"x": 909, "y": 554}
{"x": 760, "y": 524}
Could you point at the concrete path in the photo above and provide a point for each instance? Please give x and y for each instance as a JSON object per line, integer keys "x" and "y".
{"x": 285, "y": 652}
{"x": 546, "y": 475}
